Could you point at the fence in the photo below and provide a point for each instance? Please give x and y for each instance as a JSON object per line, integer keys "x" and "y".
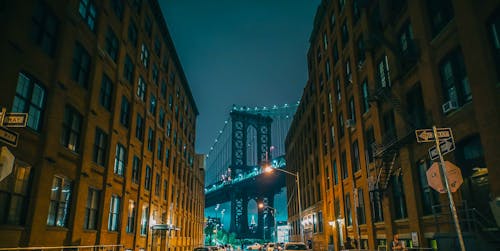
{"x": 68, "y": 248}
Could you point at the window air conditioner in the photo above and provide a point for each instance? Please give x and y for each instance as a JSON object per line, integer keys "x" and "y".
{"x": 449, "y": 106}
{"x": 350, "y": 123}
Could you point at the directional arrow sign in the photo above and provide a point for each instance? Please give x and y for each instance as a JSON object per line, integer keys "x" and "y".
{"x": 8, "y": 137}
{"x": 447, "y": 145}
{"x": 15, "y": 119}
{"x": 427, "y": 135}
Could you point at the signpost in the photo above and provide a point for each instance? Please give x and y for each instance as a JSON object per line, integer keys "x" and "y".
{"x": 9, "y": 137}
{"x": 435, "y": 135}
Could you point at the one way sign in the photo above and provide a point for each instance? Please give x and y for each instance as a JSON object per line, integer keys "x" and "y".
{"x": 446, "y": 145}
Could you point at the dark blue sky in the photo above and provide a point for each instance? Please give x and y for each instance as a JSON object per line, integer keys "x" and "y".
{"x": 245, "y": 52}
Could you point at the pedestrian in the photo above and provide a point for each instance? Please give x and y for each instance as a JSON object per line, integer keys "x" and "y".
{"x": 396, "y": 244}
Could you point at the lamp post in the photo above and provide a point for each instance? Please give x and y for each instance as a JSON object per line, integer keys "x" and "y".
{"x": 275, "y": 225}
{"x": 297, "y": 180}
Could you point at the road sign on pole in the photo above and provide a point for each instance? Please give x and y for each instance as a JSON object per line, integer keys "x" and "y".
{"x": 447, "y": 145}
{"x": 8, "y": 137}
{"x": 453, "y": 174}
{"x": 6, "y": 162}
{"x": 427, "y": 135}
{"x": 12, "y": 119}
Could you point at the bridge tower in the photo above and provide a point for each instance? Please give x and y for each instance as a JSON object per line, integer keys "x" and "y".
{"x": 247, "y": 130}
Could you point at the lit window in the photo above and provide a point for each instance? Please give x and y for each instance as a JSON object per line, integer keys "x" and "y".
{"x": 72, "y": 126}
{"x": 114, "y": 213}
{"x": 91, "y": 209}
{"x": 120, "y": 160}
{"x": 30, "y": 98}
{"x": 60, "y": 198}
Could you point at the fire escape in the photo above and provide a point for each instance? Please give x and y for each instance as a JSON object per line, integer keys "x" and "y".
{"x": 380, "y": 14}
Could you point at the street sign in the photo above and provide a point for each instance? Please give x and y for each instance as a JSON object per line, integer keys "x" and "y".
{"x": 8, "y": 137}
{"x": 446, "y": 146}
{"x": 453, "y": 175}
{"x": 12, "y": 119}
{"x": 6, "y": 162}
{"x": 427, "y": 135}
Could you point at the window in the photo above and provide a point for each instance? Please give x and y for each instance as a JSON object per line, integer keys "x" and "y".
{"x": 111, "y": 44}
{"x": 366, "y": 97}
{"x": 120, "y": 160}
{"x": 155, "y": 74}
{"x": 341, "y": 125}
{"x": 441, "y": 13}
{"x": 161, "y": 117}
{"x": 88, "y": 13}
{"x": 389, "y": 125}
{"x": 139, "y": 128}
{"x": 71, "y": 130}
{"x": 128, "y": 69}
{"x": 147, "y": 180}
{"x": 369, "y": 140}
{"x": 356, "y": 14}
{"x": 152, "y": 104}
{"x": 148, "y": 26}
{"x": 14, "y": 195}
{"x": 114, "y": 213}
{"x": 361, "y": 214}
{"x": 30, "y": 98}
{"x": 170, "y": 101}
{"x": 169, "y": 128}
{"x": 141, "y": 89}
{"x": 117, "y": 6}
{"x": 355, "y": 157}
{"x": 341, "y": 5}
{"x": 332, "y": 20}
{"x": 105, "y": 92}
{"x": 399, "y": 200}
{"x": 430, "y": 196}
{"x": 144, "y": 56}
{"x": 45, "y": 28}
{"x": 167, "y": 156}
{"x": 337, "y": 90}
{"x": 361, "y": 51}
{"x": 81, "y": 66}
{"x": 157, "y": 46}
{"x": 383, "y": 74}
{"x": 158, "y": 184}
{"x": 325, "y": 41}
{"x": 345, "y": 34}
{"x": 454, "y": 80}
{"x": 159, "y": 150}
{"x": 60, "y": 199}
{"x": 136, "y": 170}
{"x": 151, "y": 141}
{"x": 348, "y": 213}
{"x": 352, "y": 110}
{"x": 165, "y": 188}
{"x": 335, "y": 52}
{"x": 406, "y": 39}
{"x": 335, "y": 173}
{"x": 415, "y": 107}
{"x": 131, "y": 217}
{"x": 125, "y": 112}
{"x": 376, "y": 205}
{"x": 494, "y": 33}
{"x": 163, "y": 89}
{"x": 144, "y": 220}
{"x": 348, "y": 73}
{"x": 100, "y": 147}
{"x": 343, "y": 160}
{"x": 132, "y": 33}
{"x": 91, "y": 209}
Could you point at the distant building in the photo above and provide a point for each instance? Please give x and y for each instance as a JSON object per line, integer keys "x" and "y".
{"x": 378, "y": 70}
{"x": 108, "y": 151}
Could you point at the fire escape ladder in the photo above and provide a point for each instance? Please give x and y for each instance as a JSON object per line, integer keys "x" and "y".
{"x": 386, "y": 170}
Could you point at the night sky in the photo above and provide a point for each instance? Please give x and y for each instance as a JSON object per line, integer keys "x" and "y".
{"x": 245, "y": 52}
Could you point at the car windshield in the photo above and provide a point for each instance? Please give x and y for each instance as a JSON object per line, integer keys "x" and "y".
{"x": 295, "y": 247}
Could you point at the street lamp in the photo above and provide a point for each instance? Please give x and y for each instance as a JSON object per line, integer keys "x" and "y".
{"x": 261, "y": 205}
{"x": 269, "y": 169}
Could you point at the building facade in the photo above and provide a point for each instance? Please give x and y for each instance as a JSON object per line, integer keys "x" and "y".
{"x": 379, "y": 70}
{"x": 107, "y": 156}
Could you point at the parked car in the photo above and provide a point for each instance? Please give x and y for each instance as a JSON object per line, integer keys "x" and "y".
{"x": 255, "y": 246}
{"x": 289, "y": 246}
{"x": 271, "y": 247}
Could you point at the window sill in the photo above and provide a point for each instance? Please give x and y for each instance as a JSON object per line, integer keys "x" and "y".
{"x": 12, "y": 227}
{"x": 90, "y": 231}
{"x": 56, "y": 228}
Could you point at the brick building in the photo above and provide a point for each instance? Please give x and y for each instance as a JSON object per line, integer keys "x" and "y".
{"x": 108, "y": 151}
{"x": 378, "y": 70}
